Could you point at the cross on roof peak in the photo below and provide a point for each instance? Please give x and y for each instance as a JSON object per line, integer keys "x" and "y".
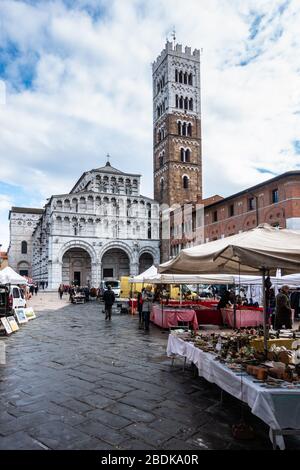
{"x": 108, "y": 162}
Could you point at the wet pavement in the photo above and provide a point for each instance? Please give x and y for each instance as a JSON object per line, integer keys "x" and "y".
{"x": 75, "y": 381}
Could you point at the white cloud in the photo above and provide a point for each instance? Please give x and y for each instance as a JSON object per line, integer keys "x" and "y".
{"x": 91, "y": 88}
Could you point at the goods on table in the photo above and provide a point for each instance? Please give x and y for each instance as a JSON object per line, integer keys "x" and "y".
{"x": 234, "y": 349}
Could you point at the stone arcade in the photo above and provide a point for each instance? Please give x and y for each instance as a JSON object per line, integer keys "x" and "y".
{"x": 102, "y": 229}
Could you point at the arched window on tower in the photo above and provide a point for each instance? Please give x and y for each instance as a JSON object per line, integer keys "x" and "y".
{"x": 191, "y": 105}
{"x": 182, "y": 154}
{"x": 184, "y": 129}
{"x": 185, "y": 182}
{"x": 162, "y": 187}
{"x": 149, "y": 230}
{"x": 24, "y": 248}
{"x": 179, "y": 127}
{"x": 187, "y": 155}
{"x": 189, "y": 130}
{"x": 176, "y": 101}
{"x": 186, "y": 102}
{"x": 181, "y": 102}
{"x": 161, "y": 160}
{"x": 176, "y": 75}
{"x": 180, "y": 77}
{"x": 185, "y": 78}
{"x": 190, "y": 79}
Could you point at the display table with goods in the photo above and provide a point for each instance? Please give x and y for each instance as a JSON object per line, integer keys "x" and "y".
{"x": 208, "y": 315}
{"x": 245, "y": 316}
{"x": 78, "y": 299}
{"x": 168, "y": 317}
{"x": 270, "y": 387}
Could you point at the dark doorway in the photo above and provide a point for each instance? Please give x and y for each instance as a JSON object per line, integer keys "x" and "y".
{"x": 77, "y": 278}
{"x": 107, "y": 272}
{"x": 23, "y": 272}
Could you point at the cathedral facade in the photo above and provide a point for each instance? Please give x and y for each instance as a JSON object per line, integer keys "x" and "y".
{"x": 102, "y": 230}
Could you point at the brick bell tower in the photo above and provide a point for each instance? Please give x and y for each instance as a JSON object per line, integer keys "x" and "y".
{"x": 177, "y": 126}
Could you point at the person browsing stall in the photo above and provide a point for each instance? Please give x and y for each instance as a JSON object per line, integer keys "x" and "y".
{"x": 283, "y": 311}
{"x": 147, "y": 298}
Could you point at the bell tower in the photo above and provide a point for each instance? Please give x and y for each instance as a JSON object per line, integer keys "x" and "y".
{"x": 177, "y": 153}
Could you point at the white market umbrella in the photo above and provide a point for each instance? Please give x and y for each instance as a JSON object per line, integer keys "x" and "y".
{"x": 149, "y": 273}
{"x": 251, "y": 252}
{"x": 9, "y": 276}
{"x": 261, "y": 250}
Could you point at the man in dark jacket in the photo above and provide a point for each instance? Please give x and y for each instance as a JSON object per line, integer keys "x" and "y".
{"x": 109, "y": 300}
{"x": 283, "y": 312}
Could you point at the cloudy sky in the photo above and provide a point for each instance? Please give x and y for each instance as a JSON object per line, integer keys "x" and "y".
{"x": 76, "y": 84}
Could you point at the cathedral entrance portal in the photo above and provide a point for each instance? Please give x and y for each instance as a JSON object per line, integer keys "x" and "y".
{"x": 115, "y": 263}
{"x": 76, "y": 267}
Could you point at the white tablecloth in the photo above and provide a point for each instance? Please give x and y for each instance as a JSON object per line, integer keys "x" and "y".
{"x": 278, "y": 408}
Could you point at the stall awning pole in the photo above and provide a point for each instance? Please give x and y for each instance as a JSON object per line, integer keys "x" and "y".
{"x": 265, "y": 312}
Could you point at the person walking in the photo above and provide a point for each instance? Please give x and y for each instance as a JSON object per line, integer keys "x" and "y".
{"x": 31, "y": 290}
{"x": 283, "y": 312}
{"x": 147, "y": 297}
{"x": 140, "y": 307}
{"x": 61, "y": 291}
{"x": 36, "y": 289}
{"x": 109, "y": 300}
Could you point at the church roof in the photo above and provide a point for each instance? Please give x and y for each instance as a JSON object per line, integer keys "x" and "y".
{"x": 104, "y": 169}
{"x": 110, "y": 169}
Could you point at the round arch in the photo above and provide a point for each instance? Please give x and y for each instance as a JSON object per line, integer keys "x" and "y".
{"x": 77, "y": 244}
{"x": 146, "y": 260}
{"x": 116, "y": 245}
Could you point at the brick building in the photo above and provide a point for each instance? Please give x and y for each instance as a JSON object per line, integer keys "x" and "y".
{"x": 275, "y": 201}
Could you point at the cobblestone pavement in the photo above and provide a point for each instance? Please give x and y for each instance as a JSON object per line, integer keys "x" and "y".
{"x": 74, "y": 381}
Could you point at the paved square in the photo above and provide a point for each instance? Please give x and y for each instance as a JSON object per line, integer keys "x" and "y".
{"x": 75, "y": 381}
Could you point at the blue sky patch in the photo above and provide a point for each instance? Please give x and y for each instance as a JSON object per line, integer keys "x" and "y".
{"x": 296, "y": 145}
{"x": 265, "y": 171}
{"x": 255, "y": 26}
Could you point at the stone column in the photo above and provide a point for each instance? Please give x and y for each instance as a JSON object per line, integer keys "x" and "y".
{"x": 54, "y": 275}
{"x": 96, "y": 274}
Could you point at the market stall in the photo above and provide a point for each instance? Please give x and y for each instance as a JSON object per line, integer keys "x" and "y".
{"x": 167, "y": 317}
{"x": 243, "y": 317}
{"x": 9, "y": 276}
{"x": 208, "y": 314}
{"x": 276, "y": 402}
{"x": 262, "y": 250}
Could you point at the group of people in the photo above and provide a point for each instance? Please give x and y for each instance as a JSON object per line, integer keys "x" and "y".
{"x": 279, "y": 306}
{"x": 145, "y": 300}
{"x": 73, "y": 290}
{"x": 30, "y": 290}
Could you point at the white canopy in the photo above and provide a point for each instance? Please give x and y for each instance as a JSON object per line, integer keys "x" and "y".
{"x": 9, "y": 276}
{"x": 149, "y": 273}
{"x": 152, "y": 276}
{"x": 246, "y": 253}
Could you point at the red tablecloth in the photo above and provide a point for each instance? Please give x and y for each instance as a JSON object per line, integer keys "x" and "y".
{"x": 167, "y": 317}
{"x": 133, "y": 305}
{"x": 208, "y": 316}
{"x": 244, "y": 317}
{"x": 190, "y": 303}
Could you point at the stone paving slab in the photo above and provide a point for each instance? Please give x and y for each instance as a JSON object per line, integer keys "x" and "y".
{"x": 74, "y": 381}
